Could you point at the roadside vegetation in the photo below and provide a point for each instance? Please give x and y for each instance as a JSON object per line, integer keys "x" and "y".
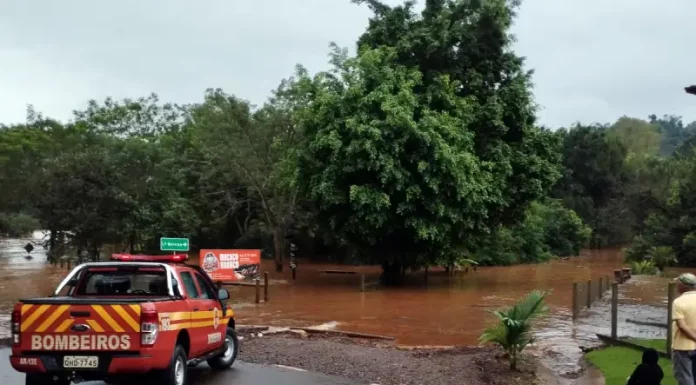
{"x": 420, "y": 149}
{"x": 617, "y": 363}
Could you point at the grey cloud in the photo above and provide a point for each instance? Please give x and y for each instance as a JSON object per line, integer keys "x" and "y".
{"x": 594, "y": 60}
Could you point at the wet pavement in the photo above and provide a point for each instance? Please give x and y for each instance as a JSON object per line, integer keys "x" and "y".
{"x": 240, "y": 374}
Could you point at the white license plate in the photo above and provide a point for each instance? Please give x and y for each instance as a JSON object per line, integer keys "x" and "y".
{"x": 80, "y": 362}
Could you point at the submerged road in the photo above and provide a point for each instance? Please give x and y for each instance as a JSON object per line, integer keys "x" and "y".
{"x": 240, "y": 374}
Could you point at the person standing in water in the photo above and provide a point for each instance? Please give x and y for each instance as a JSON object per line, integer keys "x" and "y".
{"x": 684, "y": 329}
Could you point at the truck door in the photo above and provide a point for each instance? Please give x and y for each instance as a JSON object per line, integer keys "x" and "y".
{"x": 210, "y": 317}
{"x": 196, "y": 306}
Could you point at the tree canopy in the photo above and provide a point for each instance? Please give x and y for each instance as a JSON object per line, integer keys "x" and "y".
{"x": 420, "y": 149}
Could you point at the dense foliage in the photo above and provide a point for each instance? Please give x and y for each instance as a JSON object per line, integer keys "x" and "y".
{"x": 421, "y": 149}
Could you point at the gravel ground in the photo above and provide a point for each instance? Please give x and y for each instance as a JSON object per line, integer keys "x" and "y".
{"x": 382, "y": 363}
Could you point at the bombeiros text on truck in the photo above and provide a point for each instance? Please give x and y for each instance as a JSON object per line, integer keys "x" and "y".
{"x": 136, "y": 315}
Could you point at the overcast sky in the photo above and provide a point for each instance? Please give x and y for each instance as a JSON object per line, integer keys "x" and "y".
{"x": 595, "y": 60}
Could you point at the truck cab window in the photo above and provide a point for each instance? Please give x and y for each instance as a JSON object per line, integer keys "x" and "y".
{"x": 190, "y": 285}
{"x": 207, "y": 291}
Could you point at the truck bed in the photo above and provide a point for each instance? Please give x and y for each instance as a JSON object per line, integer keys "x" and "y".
{"x": 91, "y": 300}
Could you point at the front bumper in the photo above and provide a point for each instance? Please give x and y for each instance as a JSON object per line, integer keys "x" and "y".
{"x": 108, "y": 364}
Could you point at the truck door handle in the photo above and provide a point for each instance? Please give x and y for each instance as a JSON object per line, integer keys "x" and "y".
{"x": 195, "y": 309}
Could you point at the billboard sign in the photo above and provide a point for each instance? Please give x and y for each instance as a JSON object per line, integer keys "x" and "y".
{"x": 230, "y": 265}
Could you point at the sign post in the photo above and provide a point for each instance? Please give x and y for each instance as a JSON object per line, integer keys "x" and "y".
{"x": 174, "y": 244}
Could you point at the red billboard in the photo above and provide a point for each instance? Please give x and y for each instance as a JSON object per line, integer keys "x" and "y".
{"x": 230, "y": 265}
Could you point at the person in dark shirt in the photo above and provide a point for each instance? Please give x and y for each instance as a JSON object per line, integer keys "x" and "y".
{"x": 647, "y": 372}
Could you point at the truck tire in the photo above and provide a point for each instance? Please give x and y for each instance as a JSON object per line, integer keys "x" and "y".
{"x": 177, "y": 372}
{"x": 226, "y": 359}
{"x": 45, "y": 379}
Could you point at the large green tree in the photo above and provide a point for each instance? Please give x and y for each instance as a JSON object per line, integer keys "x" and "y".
{"x": 258, "y": 148}
{"x": 593, "y": 182}
{"x": 426, "y": 139}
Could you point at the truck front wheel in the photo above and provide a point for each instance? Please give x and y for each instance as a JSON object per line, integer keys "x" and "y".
{"x": 45, "y": 379}
{"x": 226, "y": 359}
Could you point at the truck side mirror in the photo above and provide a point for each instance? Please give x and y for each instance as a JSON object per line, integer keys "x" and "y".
{"x": 223, "y": 294}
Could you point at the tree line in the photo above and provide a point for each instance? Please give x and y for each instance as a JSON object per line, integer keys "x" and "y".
{"x": 421, "y": 149}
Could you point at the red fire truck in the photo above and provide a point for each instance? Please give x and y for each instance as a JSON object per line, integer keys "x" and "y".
{"x": 136, "y": 315}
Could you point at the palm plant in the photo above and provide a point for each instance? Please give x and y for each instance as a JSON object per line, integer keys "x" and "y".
{"x": 513, "y": 330}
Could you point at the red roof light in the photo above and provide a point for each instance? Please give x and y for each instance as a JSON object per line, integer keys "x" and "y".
{"x": 150, "y": 258}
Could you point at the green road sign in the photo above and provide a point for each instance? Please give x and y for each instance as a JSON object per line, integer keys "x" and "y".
{"x": 174, "y": 244}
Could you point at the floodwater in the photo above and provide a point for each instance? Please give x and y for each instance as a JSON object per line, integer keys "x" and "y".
{"x": 445, "y": 310}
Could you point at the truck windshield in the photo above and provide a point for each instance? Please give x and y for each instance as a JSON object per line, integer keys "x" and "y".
{"x": 116, "y": 283}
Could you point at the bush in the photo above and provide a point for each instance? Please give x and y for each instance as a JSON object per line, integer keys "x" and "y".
{"x": 17, "y": 224}
{"x": 549, "y": 228}
{"x": 638, "y": 251}
{"x": 565, "y": 233}
{"x": 662, "y": 256}
{"x": 513, "y": 331}
{"x": 643, "y": 268}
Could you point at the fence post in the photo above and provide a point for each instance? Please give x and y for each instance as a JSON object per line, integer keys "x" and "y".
{"x": 258, "y": 290}
{"x": 589, "y": 293}
{"x": 265, "y": 286}
{"x": 618, "y": 276}
{"x": 68, "y": 263}
{"x": 576, "y": 301}
{"x": 670, "y": 302}
{"x": 614, "y": 308}
{"x": 599, "y": 289}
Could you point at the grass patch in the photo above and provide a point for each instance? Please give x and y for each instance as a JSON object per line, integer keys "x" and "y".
{"x": 617, "y": 363}
{"x": 659, "y": 345}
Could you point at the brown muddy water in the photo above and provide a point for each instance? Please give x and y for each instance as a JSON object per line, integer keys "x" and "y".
{"x": 444, "y": 311}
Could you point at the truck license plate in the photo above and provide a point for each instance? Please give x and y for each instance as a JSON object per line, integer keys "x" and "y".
{"x": 80, "y": 362}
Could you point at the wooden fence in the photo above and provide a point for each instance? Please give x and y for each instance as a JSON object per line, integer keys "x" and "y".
{"x": 671, "y": 294}
{"x": 364, "y": 283}
{"x": 256, "y": 284}
{"x": 586, "y": 293}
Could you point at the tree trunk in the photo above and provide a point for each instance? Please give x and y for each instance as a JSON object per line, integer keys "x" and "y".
{"x": 278, "y": 242}
{"x": 52, "y": 246}
{"x": 392, "y": 273}
{"x": 79, "y": 254}
{"x": 513, "y": 360}
{"x": 131, "y": 243}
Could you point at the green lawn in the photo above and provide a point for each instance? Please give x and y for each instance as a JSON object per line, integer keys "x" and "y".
{"x": 659, "y": 345}
{"x": 617, "y": 363}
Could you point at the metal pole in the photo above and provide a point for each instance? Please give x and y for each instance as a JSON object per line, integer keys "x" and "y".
{"x": 614, "y": 308}
{"x": 258, "y": 290}
{"x": 362, "y": 282}
{"x": 589, "y": 293}
{"x": 670, "y": 302}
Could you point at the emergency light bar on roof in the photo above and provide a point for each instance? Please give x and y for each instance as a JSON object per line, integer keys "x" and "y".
{"x": 150, "y": 258}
